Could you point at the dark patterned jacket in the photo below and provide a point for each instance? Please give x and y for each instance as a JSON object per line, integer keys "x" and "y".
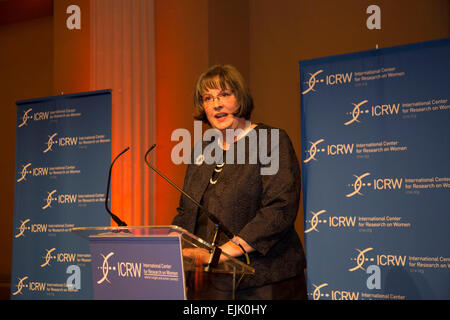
{"x": 261, "y": 209}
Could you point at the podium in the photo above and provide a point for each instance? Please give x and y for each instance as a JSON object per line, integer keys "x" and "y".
{"x": 146, "y": 262}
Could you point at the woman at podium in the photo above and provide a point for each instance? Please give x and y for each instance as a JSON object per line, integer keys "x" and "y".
{"x": 252, "y": 186}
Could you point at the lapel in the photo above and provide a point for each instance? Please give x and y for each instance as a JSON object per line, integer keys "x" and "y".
{"x": 200, "y": 179}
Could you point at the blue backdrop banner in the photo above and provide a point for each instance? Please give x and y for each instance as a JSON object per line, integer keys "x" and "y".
{"x": 63, "y": 151}
{"x": 376, "y": 174}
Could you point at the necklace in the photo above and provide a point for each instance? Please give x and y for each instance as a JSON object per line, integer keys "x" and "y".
{"x": 219, "y": 167}
{"x": 216, "y": 172}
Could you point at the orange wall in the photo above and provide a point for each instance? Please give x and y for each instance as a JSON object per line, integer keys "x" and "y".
{"x": 26, "y": 69}
{"x": 71, "y": 71}
{"x": 181, "y": 55}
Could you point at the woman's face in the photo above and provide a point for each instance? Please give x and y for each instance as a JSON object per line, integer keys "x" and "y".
{"x": 220, "y": 106}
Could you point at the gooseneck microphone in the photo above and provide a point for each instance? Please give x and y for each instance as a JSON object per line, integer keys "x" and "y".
{"x": 212, "y": 217}
{"x": 116, "y": 219}
{"x": 215, "y": 255}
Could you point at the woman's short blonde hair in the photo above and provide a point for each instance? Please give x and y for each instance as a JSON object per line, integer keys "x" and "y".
{"x": 223, "y": 77}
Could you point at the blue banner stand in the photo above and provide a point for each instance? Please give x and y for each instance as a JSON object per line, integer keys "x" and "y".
{"x": 63, "y": 151}
{"x": 376, "y": 174}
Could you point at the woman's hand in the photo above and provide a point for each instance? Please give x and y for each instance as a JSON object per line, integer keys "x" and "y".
{"x": 202, "y": 256}
{"x": 199, "y": 255}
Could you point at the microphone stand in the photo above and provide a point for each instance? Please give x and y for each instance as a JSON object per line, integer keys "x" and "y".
{"x": 116, "y": 219}
{"x": 219, "y": 226}
{"x": 214, "y": 257}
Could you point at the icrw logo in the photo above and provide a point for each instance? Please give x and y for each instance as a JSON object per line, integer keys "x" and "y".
{"x": 48, "y": 257}
{"x": 315, "y": 221}
{"x": 38, "y": 116}
{"x": 356, "y": 112}
{"x": 60, "y": 142}
{"x": 313, "y": 150}
{"x": 34, "y": 228}
{"x": 20, "y": 286}
{"x": 358, "y": 184}
{"x": 392, "y": 260}
{"x": 73, "y": 283}
{"x": 323, "y": 291}
{"x": 331, "y": 150}
{"x": 317, "y": 294}
{"x": 332, "y": 222}
{"x": 312, "y": 81}
{"x": 119, "y": 269}
{"x": 30, "y": 285}
{"x": 360, "y": 259}
{"x": 376, "y": 110}
{"x": 61, "y": 257}
{"x": 29, "y": 170}
{"x": 60, "y": 199}
{"x": 26, "y": 116}
{"x": 329, "y": 80}
{"x": 106, "y": 268}
{"x": 50, "y": 143}
{"x": 22, "y": 228}
{"x": 50, "y": 198}
{"x": 377, "y": 184}
{"x": 23, "y": 173}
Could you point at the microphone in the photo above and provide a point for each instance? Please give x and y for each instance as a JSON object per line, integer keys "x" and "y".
{"x": 215, "y": 255}
{"x": 116, "y": 219}
{"x": 212, "y": 217}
